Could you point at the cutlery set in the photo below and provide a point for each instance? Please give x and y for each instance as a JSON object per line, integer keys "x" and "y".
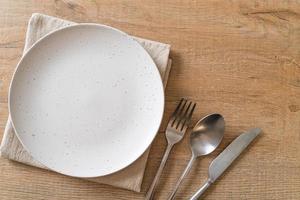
{"x": 205, "y": 137}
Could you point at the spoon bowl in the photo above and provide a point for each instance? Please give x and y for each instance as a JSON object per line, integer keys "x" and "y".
{"x": 207, "y": 134}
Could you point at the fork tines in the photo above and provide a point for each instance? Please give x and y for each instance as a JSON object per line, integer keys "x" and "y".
{"x": 182, "y": 115}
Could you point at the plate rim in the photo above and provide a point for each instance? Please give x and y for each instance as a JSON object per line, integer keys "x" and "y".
{"x": 34, "y": 45}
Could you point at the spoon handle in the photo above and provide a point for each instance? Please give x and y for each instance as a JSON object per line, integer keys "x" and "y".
{"x": 152, "y": 188}
{"x": 185, "y": 172}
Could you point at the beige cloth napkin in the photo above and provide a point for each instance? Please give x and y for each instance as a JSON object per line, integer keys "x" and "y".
{"x": 128, "y": 178}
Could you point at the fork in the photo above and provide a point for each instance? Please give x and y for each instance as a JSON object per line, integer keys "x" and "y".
{"x": 175, "y": 131}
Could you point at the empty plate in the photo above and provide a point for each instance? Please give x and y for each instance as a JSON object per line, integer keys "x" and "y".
{"x": 86, "y": 100}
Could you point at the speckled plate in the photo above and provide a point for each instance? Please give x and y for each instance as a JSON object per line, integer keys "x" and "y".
{"x": 86, "y": 100}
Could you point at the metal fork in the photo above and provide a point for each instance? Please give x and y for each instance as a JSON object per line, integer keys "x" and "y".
{"x": 175, "y": 131}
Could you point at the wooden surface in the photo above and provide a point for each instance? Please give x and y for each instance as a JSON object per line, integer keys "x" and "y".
{"x": 238, "y": 58}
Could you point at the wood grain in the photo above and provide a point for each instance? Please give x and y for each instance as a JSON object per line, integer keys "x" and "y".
{"x": 239, "y": 58}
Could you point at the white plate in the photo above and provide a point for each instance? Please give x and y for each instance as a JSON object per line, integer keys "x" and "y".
{"x": 86, "y": 100}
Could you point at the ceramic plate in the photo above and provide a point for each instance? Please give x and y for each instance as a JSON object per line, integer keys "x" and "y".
{"x": 86, "y": 100}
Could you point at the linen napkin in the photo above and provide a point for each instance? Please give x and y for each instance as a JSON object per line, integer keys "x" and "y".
{"x": 129, "y": 178}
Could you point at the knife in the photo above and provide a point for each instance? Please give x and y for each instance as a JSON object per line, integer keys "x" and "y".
{"x": 224, "y": 160}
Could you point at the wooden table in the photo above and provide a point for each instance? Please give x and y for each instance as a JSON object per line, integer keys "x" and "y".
{"x": 238, "y": 58}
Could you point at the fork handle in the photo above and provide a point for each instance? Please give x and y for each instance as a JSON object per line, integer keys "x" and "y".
{"x": 152, "y": 188}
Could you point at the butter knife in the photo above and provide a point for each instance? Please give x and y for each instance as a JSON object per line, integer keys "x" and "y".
{"x": 224, "y": 160}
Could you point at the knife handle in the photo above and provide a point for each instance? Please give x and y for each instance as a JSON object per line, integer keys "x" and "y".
{"x": 198, "y": 194}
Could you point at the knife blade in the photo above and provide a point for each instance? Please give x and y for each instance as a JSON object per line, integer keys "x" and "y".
{"x": 224, "y": 160}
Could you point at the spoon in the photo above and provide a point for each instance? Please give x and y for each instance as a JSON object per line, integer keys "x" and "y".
{"x": 205, "y": 138}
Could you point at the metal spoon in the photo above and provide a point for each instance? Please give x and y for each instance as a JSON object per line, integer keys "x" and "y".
{"x": 205, "y": 138}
